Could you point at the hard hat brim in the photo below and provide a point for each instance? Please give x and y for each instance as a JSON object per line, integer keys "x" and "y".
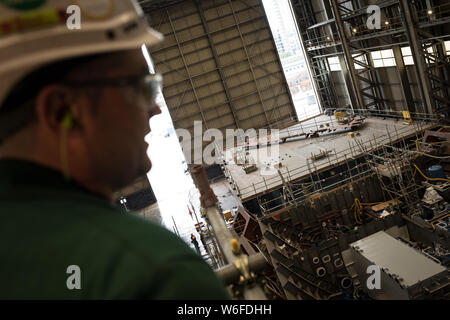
{"x": 22, "y": 53}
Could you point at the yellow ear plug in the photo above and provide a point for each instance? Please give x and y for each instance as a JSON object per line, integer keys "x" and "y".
{"x": 68, "y": 120}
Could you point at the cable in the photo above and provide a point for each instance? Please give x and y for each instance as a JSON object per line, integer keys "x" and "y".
{"x": 429, "y": 155}
{"x": 440, "y": 218}
{"x": 431, "y": 143}
{"x": 433, "y": 222}
{"x": 64, "y": 156}
{"x": 66, "y": 125}
{"x": 430, "y": 179}
{"x": 357, "y": 210}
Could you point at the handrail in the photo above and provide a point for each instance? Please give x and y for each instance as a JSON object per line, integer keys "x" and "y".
{"x": 267, "y": 183}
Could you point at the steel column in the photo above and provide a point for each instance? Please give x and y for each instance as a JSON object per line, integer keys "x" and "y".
{"x": 417, "y": 53}
{"x": 404, "y": 81}
{"x": 348, "y": 56}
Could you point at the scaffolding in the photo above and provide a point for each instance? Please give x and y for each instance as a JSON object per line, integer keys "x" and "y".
{"x": 319, "y": 66}
{"x": 288, "y": 176}
{"x": 343, "y": 32}
{"x": 211, "y": 254}
{"x": 396, "y": 169}
{"x": 393, "y": 165}
{"x": 429, "y": 51}
{"x": 390, "y": 159}
{"x": 366, "y": 85}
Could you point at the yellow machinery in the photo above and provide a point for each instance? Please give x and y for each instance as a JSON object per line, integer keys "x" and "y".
{"x": 343, "y": 117}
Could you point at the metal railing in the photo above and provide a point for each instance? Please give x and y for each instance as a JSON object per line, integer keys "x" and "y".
{"x": 307, "y": 169}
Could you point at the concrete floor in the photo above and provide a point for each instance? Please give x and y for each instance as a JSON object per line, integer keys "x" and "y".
{"x": 294, "y": 156}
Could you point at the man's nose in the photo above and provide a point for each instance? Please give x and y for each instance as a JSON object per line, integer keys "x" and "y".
{"x": 154, "y": 111}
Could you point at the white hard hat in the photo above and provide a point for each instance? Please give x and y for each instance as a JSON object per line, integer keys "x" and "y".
{"x": 34, "y": 33}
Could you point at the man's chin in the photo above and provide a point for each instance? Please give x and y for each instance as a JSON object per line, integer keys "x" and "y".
{"x": 146, "y": 167}
{"x": 127, "y": 180}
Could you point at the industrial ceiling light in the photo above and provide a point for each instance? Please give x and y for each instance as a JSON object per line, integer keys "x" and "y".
{"x": 328, "y": 38}
{"x": 386, "y": 23}
{"x": 430, "y": 12}
{"x": 354, "y": 30}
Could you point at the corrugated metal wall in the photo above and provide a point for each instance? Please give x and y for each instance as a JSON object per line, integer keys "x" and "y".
{"x": 220, "y": 66}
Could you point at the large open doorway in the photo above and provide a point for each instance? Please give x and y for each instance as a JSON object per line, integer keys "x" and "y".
{"x": 295, "y": 66}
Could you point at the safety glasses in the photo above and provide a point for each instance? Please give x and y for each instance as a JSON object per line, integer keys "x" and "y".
{"x": 146, "y": 86}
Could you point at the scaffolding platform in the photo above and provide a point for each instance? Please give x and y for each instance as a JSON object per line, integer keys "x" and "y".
{"x": 295, "y": 156}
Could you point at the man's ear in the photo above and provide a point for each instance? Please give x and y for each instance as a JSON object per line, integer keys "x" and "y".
{"x": 56, "y": 108}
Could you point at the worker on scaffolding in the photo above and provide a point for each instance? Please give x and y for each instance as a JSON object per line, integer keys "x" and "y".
{"x": 195, "y": 243}
{"x": 202, "y": 238}
{"x": 74, "y": 110}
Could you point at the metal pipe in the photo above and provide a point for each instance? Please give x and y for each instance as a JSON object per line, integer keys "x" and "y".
{"x": 230, "y": 274}
{"x": 235, "y": 258}
{"x": 254, "y": 292}
{"x": 221, "y": 233}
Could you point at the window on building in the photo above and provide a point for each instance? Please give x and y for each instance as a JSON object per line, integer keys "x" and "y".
{"x": 447, "y": 47}
{"x": 407, "y": 56}
{"x": 408, "y": 59}
{"x": 334, "y": 64}
{"x": 383, "y": 58}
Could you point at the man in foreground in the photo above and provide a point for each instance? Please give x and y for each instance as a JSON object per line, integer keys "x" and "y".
{"x": 72, "y": 128}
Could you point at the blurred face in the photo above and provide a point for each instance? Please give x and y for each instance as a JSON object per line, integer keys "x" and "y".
{"x": 114, "y": 133}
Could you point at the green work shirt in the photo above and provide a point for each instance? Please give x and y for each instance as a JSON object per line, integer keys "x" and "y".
{"x": 60, "y": 241}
